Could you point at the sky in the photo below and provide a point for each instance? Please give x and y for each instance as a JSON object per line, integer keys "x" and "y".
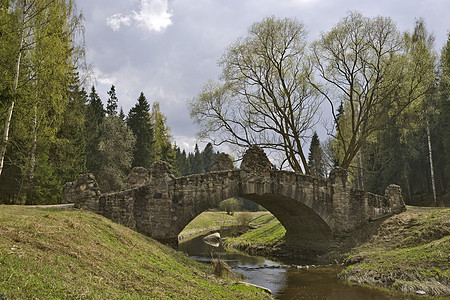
{"x": 169, "y": 49}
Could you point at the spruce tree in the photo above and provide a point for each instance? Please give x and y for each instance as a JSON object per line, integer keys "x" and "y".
{"x": 197, "y": 161}
{"x": 316, "y": 160}
{"x": 208, "y": 156}
{"x": 94, "y": 118}
{"x": 111, "y": 104}
{"x": 139, "y": 122}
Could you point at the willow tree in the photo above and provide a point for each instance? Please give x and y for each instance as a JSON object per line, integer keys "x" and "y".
{"x": 264, "y": 97}
{"x": 366, "y": 63}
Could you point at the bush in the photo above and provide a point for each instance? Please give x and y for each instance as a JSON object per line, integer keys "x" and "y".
{"x": 229, "y": 205}
{"x": 244, "y": 218}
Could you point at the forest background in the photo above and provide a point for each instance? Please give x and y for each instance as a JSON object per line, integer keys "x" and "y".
{"x": 54, "y": 126}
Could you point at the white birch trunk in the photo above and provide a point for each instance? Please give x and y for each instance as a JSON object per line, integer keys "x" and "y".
{"x": 430, "y": 154}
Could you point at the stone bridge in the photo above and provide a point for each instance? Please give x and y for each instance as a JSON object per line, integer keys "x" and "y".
{"x": 315, "y": 212}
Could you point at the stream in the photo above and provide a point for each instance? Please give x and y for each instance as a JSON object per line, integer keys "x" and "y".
{"x": 286, "y": 280}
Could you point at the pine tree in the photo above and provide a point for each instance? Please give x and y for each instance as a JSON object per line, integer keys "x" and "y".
{"x": 139, "y": 122}
{"x": 111, "y": 104}
{"x": 94, "y": 118}
{"x": 316, "y": 160}
{"x": 122, "y": 114}
{"x": 208, "y": 156}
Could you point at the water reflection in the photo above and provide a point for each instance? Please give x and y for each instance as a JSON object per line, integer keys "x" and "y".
{"x": 286, "y": 282}
{"x": 257, "y": 270}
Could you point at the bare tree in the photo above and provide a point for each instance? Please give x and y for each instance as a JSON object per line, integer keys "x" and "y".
{"x": 264, "y": 98}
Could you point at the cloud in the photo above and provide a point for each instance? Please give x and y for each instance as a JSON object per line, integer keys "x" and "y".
{"x": 117, "y": 20}
{"x": 154, "y": 15}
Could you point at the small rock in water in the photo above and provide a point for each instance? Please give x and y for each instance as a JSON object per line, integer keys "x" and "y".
{"x": 212, "y": 239}
{"x": 420, "y": 292}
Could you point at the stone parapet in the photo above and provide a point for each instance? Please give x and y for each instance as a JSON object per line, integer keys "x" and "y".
{"x": 138, "y": 177}
{"x": 255, "y": 160}
{"x": 84, "y": 192}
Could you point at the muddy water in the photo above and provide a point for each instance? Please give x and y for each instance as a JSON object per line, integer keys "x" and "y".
{"x": 286, "y": 281}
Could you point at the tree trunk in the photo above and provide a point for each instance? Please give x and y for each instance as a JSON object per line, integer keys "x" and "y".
{"x": 360, "y": 171}
{"x": 430, "y": 154}
{"x": 30, "y": 180}
{"x": 33, "y": 149}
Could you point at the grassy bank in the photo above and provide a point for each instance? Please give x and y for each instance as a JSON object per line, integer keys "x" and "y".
{"x": 215, "y": 220}
{"x": 263, "y": 240}
{"x": 410, "y": 252}
{"x": 56, "y": 254}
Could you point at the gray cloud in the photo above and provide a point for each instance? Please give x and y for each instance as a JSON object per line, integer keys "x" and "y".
{"x": 170, "y": 57}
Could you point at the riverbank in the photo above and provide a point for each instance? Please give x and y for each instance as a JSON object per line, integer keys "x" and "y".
{"x": 410, "y": 252}
{"x": 53, "y": 253}
{"x": 265, "y": 238}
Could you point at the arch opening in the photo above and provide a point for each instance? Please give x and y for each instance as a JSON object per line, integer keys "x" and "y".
{"x": 306, "y": 230}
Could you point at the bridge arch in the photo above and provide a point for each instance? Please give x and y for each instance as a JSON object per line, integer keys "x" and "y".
{"x": 305, "y": 222}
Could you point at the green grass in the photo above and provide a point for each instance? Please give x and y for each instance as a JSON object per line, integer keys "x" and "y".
{"x": 66, "y": 254}
{"x": 214, "y": 220}
{"x": 410, "y": 252}
{"x": 268, "y": 234}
